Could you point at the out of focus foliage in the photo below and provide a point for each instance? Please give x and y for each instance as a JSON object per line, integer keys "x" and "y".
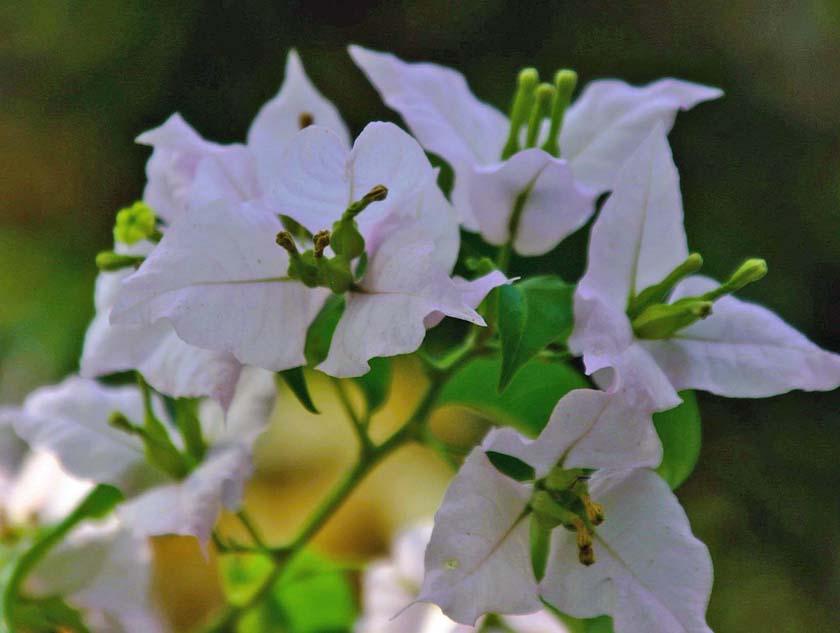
{"x": 760, "y": 176}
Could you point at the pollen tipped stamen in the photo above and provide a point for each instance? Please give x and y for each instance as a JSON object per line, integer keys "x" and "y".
{"x": 594, "y": 511}
{"x": 657, "y": 293}
{"x": 320, "y": 242}
{"x": 747, "y": 273}
{"x": 285, "y": 239}
{"x": 586, "y": 555}
{"x": 565, "y": 82}
{"x": 539, "y": 111}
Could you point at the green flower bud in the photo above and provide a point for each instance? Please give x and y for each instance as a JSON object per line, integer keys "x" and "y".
{"x": 657, "y": 293}
{"x": 521, "y": 108}
{"x": 661, "y": 321}
{"x": 136, "y": 223}
{"x": 565, "y": 82}
{"x": 750, "y": 271}
{"x": 540, "y": 110}
{"x": 109, "y": 261}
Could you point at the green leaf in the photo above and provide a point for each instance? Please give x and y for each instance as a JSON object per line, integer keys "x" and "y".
{"x": 376, "y": 384}
{"x": 47, "y": 615}
{"x": 528, "y": 401}
{"x": 313, "y": 595}
{"x": 186, "y": 419}
{"x": 511, "y": 466}
{"x": 681, "y": 434}
{"x": 296, "y": 381}
{"x": 99, "y": 502}
{"x": 603, "y": 624}
{"x": 532, "y": 314}
{"x": 540, "y": 548}
{"x": 320, "y": 333}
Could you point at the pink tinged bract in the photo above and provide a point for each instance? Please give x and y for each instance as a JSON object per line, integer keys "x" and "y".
{"x": 317, "y": 176}
{"x": 166, "y": 362}
{"x": 297, "y": 103}
{"x": 220, "y": 279}
{"x": 601, "y": 129}
{"x": 172, "y": 167}
{"x": 404, "y": 288}
{"x": 651, "y": 574}
{"x": 554, "y": 206}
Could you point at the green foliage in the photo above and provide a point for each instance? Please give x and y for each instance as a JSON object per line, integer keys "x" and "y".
{"x": 376, "y": 384}
{"x": 528, "y": 401}
{"x": 48, "y": 615}
{"x": 531, "y": 315}
{"x": 680, "y": 432}
{"x": 604, "y": 624}
{"x": 511, "y": 466}
{"x": 313, "y": 595}
{"x": 320, "y": 333}
{"x": 99, "y": 502}
{"x": 186, "y": 419}
{"x": 295, "y": 379}
{"x": 540, "y": 547}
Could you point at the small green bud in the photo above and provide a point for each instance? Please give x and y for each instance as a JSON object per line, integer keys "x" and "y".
{"x": 521, "y": 108}
{"x": 539, "y": 111}
{"x": 565, "y": 82}
{"x": 109, "y": 261}
{"x": 749, "y": 272}
{"x": 481, "y": 265}
{"x": 661, "y": 321}
{"x": 135, "y": 223}
{"x": 657, "y": 293}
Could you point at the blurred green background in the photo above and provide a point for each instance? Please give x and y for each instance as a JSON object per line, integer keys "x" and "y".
{"x": 760, "y": 173}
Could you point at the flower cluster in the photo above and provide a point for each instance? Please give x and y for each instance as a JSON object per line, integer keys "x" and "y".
{"x": 301, "y": 249}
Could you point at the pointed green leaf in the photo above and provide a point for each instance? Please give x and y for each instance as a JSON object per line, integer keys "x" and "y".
{"x": 295, "y": 379}
{"x": 511, "y": 466}
{"x": 540, "y": 548}
{"x": 680, "y": 431}
{"x": 532, "y": 314}
{"x": 376, "y": 384}
{"x": 604, "y": 624}
{"x": 320, "y": 333}
{"x": 186, "y": 419}
{"x": 528, "y": 401}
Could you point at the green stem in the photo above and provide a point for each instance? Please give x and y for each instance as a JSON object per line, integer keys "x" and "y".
{"x": 252, "y": 529}
{"x": 505, "y": 252}
{"x": 411, "y": 430}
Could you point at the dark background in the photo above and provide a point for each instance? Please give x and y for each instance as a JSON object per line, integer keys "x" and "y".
{"x": 760, "y": 173}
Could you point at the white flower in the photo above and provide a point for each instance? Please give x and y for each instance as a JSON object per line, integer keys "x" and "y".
{"x": 166, "y": 362}
{"x": 319, "y": 175}
{"x": 390, "y": 585}
{"x": 71, "y": 421}
{"x": 405, "y": 289}
{"x": 101, "y": 568}
{"x": 218, "y": 277}
{"x": 185, "y": 169}
{"x": 600, "y": 130}
{"x": 649, "y": 572}
{"x": 741, "y": 350}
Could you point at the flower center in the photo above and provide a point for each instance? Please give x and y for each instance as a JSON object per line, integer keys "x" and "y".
{"x": 562, "y": 498}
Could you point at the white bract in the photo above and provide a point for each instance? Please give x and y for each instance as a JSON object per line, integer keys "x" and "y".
{"x": 168, "y": 364}
{"x": 601, "y": 129}
{"x": 390, "y": 585}
{"x": 173, "y": 170}
{"x": 219, "y": 278}
{"x": 650, "y": 573}
{"x": 101, "y": 568}
{"x": 741, "y": 350}
{"x": 71, "y": 421}
{"x": 405, "y": 289}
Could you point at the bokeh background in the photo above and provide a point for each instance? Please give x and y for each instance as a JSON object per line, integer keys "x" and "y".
{"x": 760, "y": 174}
